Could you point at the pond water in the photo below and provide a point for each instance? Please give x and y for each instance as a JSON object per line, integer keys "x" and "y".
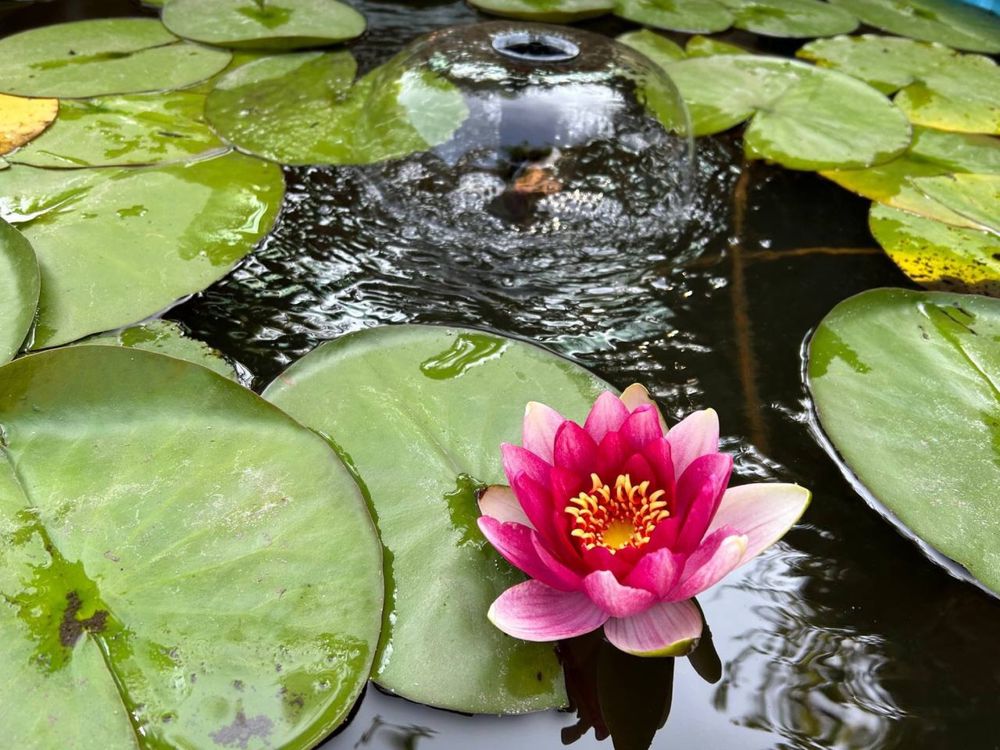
{"x": 844, "y": 635}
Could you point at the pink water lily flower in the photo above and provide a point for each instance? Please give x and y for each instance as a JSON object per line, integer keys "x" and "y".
{"x": 620, "y": 523}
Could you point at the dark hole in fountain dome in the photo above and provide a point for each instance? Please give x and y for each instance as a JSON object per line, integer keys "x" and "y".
{"x": 538, "y": 135}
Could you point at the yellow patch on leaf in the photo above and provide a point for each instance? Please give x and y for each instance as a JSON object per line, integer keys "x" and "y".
{"x": 22, "y": 119}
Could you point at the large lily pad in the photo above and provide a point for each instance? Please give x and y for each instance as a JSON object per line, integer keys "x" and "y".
{"x": 167, "y": 573}
{"x": 780, "y": 18}
{"x": 801, "y": 116}
{"x": 420, "y": 413}
{"x": 124, "y": 131}
{"x": 932, "y": 154}
{"x": 692, "y": 16}
{"x": 937, "y": 254}
{"x": 23, "y": 119}
{"x": 19, "y": 285}
{"x": 952, "y": 23}
{"x": 167, "y": 337}
{"x": 303, "y": 109}
{"x": 652, "y": 45}
{"x": 118, "y": 245}
{"x": 103, "y": 56}
{"x": 906, "y": 387}
{"x": 937, "y": 86}
{"x": 263, "y": 24}
{"x": 547, "y": 11}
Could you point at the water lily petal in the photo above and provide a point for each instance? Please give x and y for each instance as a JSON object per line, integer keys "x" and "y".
{"x": 567, "y": 578}
{"x": 642, "y": 427}
{"x": 658, "y": 454}
{"x": 763, "y": 512}
{"x": 533, "y": 611}
{"x": 539, "y": 431}
{"x": 537, "y": 504}
{"x": 718, "y": 555}
{"x": 611, "y": 454}
{"x": 614, "y": 598}
{"x": 499, "y": 501}
{"x": 695, "y": 435}
{"x": 698, "y": 495}
{"x": 574, "y": 449}
{"x": 657, "y": 572}
{"x": 517, "y": 545}
{"x": 665, "y": 629}
{"x": 635, "y": 396}
{"x": 517, "y": 460}
{"x": 607, "y": 415}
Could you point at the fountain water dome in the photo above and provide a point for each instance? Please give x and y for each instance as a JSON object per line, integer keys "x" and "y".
{"x": 542, "y": 135}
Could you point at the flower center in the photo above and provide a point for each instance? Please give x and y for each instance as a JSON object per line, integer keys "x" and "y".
{"x": 616, "y": 519}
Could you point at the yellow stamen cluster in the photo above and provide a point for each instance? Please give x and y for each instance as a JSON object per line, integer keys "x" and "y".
{"x": 619, "y": 519}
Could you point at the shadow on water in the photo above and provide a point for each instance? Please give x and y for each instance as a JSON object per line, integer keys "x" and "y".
{"x": 843, "y": 636}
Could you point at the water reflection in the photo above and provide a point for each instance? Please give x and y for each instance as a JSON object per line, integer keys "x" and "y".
{"x": 389, "y": 736}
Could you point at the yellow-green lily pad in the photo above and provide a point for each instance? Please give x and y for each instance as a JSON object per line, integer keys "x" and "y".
{"x": 546, "y": 11}
{"x": 937, "y": 86}
{"x": 263, "y": 24}
{"x": 181, "y": 564}
{"x": 938, "y": 255}
{"x": 974, "y": 196}
{"x": 692, "y": 16}
{"x": 103, "y": 56}
{"x": 905, "y": 387}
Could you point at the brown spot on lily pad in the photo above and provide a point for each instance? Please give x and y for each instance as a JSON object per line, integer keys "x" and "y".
{"x": 70, "y": 629}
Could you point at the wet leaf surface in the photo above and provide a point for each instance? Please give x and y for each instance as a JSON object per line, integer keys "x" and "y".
{"x": 546, "y": 11}
{"x": 207, "y": 587}
{"x": 168, "y": 338}
{"x": 118, "y": 245}
{"x": 937, "y": 86}
{"x": 937, "y": 254}
{"x": 23, "y": 119}
{"x": 779, "y": 18}
{"x": 104, "y": 56}
{"x": 693, "y": 16}
{"x": 800, "y": 116}
{"x": 19, "y": 285}
{"x": 973, "y": 196}
{"x": 420, "y": 413}
{"x": 954, "y": 24}
{"x": 123, "y": 131}
{"x": 277, "y": 24}
{"x": 281, "y": 108}
{"x": 906, "y": 387}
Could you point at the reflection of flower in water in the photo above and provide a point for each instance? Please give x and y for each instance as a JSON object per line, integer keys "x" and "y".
{"x": 816, "y": 685}
{"x": 382, "y": 734}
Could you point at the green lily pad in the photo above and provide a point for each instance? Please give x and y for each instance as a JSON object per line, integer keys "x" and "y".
{"x": 546, "y": 11}
{"x": 123, "y": 131}
{"x": 654, "y": 46}
{"x": 692, "y": 16}
{"x": 19, "y": 285}
{"x": 803, "y": 117}
{"x": 167, "y": 337}
{"x": 118, "y": 245}
{"x": 932, "y": 154}
{"x": 936, "y": 254}
{"x": 905, "y": 386}
{"x": 281, "y": 108}
{"x": 274, "y": 24}
{"x": 974, "y": 196}
{"x": 790, "y": 18}
{"x": 951, "y": 23}
{"x": 706, "y": 46}
{"x": 937, "y": 86}
{"x": 165, "y": 571}
{"x": 420, "y": 413}
{"x": 103, "y": 56}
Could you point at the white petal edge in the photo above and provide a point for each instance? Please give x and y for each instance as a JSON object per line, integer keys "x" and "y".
{"x": 761, "y": 512}
{"x": 499, "y": 501}
{"x": 665, "y": 629}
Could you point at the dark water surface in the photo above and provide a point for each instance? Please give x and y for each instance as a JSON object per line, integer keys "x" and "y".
{"x": 844, "y": 635}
